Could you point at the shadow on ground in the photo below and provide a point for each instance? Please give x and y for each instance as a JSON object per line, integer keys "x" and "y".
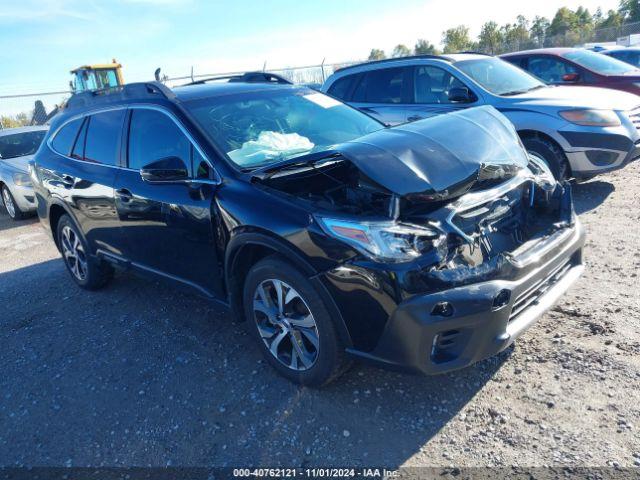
{"x": 6, "y": 222}
{"x": 139, "y": 374}
{"x": 590, "y": 195}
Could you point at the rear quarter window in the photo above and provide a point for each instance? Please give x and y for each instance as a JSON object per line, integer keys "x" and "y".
{"x": 341, "y": 87}
{"x": 66, "y": 136}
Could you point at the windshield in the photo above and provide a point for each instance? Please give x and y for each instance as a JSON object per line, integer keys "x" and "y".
{"x": 499, "y": 77}
{"x": 259, "y": 128}
{"x": 599, "y": 63}
{"x": 20, "y": 144}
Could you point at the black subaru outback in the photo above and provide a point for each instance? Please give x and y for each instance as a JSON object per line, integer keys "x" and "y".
{"x": 427, "y": 246}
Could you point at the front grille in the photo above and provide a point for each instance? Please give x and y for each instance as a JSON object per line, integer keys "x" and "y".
{"x": 534, "y": 292}
{"x": 634, "y": 116}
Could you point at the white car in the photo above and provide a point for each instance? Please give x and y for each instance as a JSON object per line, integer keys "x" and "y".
{"x": 17, "y": 147}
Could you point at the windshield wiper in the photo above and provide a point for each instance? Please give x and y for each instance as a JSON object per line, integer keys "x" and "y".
{"x": 518, "y": 92}
{"x": 302, "y": 160}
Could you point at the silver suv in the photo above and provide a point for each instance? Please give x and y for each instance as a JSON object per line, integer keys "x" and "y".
{"x": 578, "y": 131}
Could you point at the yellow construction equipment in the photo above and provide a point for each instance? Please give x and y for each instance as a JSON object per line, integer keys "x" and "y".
{"x": 96, "y": 77}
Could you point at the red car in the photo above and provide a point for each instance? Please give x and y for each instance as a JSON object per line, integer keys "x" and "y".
{"x": 577, "y": 66}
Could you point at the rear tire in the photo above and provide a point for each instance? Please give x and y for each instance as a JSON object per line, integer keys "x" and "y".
{"x": 87, "y": 271}
{"x": 10, "y": 205}
{"x": 292, "y": 325}
{"x": 551, "y": 154}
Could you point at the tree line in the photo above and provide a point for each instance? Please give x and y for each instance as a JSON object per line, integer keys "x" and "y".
{"x": 567, "y": 27}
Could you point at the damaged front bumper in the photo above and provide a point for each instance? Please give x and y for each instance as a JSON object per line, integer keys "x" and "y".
{"x": 453, "y": 328}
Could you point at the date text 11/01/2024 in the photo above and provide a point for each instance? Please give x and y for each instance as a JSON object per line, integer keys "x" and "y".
{"x": 315, "y": 472}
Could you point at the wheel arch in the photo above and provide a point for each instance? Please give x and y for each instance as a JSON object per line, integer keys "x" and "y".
{"x": 56, "y": 210}
{"x": 537, "y": 134}
{"x": 246, "y": 249}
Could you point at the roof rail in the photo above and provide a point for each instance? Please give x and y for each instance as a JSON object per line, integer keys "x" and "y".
{"x": 112, "y": 95}
{"x": 473, "y": 52}
{"x": 248, "y": 77}
{"x": 395, "y": 59}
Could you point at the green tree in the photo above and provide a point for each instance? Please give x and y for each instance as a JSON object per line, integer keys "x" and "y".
{"x": 11, "y": 121}
{"x": 490, "y": 38}
{"x": 400, "y": 51}
{"x": 613, "y": 19}
{"x": 456, "y": 39}
{"x": 376, "y": 54}
{"x": 630, "y": 10}
{"x": 538, "y": 30}
{"x": 423, "y": 47}
{"x": 563, "y": 21}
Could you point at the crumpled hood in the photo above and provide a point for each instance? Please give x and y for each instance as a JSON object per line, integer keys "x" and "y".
{"x": 438, "y": 155}
{"x": 576, "y": 97}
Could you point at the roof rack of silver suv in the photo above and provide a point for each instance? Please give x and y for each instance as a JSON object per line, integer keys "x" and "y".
{"x": 396, "y": 59}
{"x": 128, "y": 91}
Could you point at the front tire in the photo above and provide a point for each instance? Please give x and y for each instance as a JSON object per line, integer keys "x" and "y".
{"x": 551, "y": 154}
{"x": 292, "y": 325}
{"x": 88, "y": 272}
{"x": 10, "y": 205}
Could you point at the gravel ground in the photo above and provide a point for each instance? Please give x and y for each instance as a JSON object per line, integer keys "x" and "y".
{"x": 139, "y": 374}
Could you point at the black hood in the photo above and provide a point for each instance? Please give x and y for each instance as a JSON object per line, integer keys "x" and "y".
{"x": 438, "y": 155}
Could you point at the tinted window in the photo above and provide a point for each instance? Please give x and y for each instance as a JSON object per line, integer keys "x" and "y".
{"x": 153, "y": 136}
{"x": 20, "y": 144}
{"x": 550, "y": 69}
{"x": 381, "y": 86}
{"x": 432, "y": 85}
{"x": 63, "y": 141}
{"x": 199, "y": 165}
{"x": 340, "y": 88}
{"x": 103, "y": 137}
{"x": 632, "y": 57}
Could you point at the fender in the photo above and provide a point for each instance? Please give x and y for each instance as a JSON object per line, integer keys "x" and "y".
{"x": 292, "y": 254}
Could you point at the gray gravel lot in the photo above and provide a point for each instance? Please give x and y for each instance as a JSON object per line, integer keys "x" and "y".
{"x": 139, "y": 374}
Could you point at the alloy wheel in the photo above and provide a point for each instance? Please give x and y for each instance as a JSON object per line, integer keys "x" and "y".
{"x": 8, "y": 202}
{"x": 286, "y": 324}
{"x": 74, "y": 253}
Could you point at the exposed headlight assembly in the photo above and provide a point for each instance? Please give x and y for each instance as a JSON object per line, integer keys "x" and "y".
{"x": 22, "y": 179}
{"x": 592, "y": 118}
{"x": 384, "y": 241}
{"x": 540, "y": 169}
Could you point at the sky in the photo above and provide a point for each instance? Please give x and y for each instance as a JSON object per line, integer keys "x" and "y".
{"x": 41, "y": 40}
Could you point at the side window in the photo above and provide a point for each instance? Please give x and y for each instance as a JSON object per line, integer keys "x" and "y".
{"x": 432, "y": 84}
{"x": 154, "y": 136}
{"x": 78, "y": 148}
{"x": 63, "y": 141}
{"x": 341, "y": 87}
{"x": 550, "y": 69}
{"x": 382, "y": 86}
{"x": 102, "y": 144}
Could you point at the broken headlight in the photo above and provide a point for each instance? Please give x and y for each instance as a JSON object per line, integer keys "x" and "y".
{"x": 384, "y": 241}
{"x": 542, "y": 172}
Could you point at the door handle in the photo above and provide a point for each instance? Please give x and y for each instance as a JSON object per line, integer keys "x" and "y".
{"x": 414, "y": 118}
{"x": 124, "y": 195}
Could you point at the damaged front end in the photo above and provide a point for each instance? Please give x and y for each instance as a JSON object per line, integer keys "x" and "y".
{"x": 456, "y": 194}
{"x": 460, "y": 239}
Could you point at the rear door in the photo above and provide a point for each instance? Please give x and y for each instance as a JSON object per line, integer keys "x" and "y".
{"x": 168, "y": 226}
{"x": 85, "y": 180}
{"x": 431, "y": 86}
{"x": 384, "y": 94}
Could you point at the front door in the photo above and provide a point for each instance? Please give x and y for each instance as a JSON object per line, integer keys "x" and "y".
{"x": 168, "y": 225}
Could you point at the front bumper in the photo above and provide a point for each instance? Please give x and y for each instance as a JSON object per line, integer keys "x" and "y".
{"x": 594, "y": 150}
{"x": 485, "y": 317}
{"x": 23, "y": 196}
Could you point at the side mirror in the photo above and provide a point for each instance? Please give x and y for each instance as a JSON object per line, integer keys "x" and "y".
{"x": 460, "y": 95}
{"x": 570, "y": 77}
{"x": 165, "y": 170}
